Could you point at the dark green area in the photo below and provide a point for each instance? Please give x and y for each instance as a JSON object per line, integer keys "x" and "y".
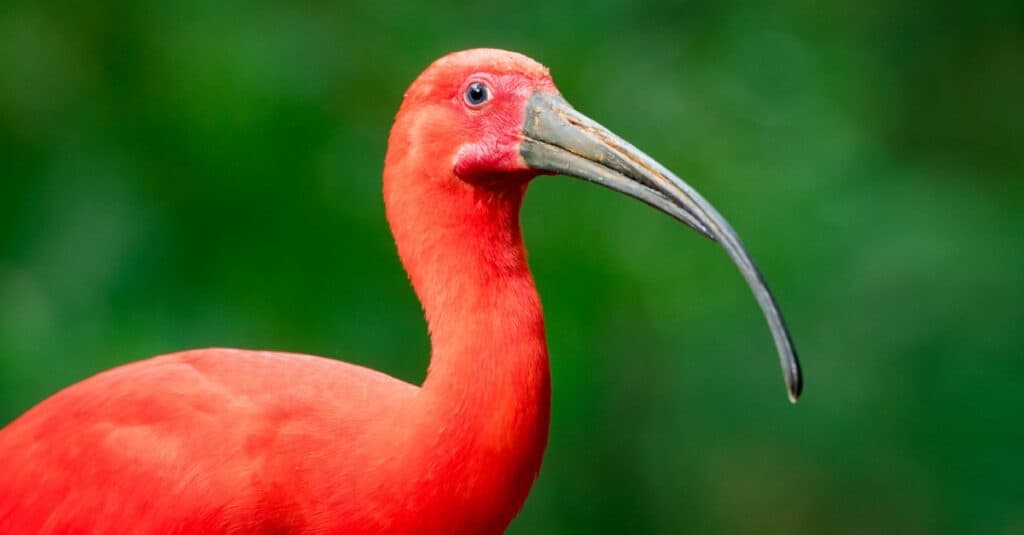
{"x": 185, "y": 174}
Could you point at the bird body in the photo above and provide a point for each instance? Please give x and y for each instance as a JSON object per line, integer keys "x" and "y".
{"x": 233, "y": 441}
{"x": 208, "y": 441}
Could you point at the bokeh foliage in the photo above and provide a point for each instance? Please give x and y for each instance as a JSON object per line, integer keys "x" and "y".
{"x": 187, "y": 174}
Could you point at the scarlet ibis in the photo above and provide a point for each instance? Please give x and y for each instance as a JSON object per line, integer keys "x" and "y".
{"x": 233, "y": 441}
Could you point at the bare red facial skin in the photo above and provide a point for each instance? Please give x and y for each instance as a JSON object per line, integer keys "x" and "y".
{"x": 481, "y": 141}
{"x": 497, "y": 127}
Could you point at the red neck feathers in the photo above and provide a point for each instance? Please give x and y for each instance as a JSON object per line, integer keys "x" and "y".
{"x": 486, "y": 398}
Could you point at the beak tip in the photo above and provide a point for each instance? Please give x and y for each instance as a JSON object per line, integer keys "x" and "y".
{"x": 794, "y": 388}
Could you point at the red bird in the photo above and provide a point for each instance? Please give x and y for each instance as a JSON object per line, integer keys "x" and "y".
{"x": 233, "y": 441}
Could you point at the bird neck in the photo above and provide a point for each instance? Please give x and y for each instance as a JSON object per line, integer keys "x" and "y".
{"x": 462, "y": 248}
{"x": 488, "y": 385}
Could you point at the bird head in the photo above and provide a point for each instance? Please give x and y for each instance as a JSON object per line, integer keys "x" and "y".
{"x": 490, "y": 120}
{"x": 468, "y": 108}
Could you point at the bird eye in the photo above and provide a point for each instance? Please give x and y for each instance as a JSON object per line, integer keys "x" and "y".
{"x": 477, "y": 93}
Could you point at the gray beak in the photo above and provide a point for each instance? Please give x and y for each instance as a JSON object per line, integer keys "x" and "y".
{"x": 559, "y": 139}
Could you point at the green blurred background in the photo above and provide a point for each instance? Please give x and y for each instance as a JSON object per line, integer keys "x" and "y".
{"x": 185, "y": 174}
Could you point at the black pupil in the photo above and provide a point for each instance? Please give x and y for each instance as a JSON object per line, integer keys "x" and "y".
{"x": 476, "y": 94}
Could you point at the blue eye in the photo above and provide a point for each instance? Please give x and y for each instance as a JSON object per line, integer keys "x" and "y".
{"x": 477, "y": 93}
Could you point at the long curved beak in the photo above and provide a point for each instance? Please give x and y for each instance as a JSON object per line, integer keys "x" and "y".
{"x": 559, "y": 139}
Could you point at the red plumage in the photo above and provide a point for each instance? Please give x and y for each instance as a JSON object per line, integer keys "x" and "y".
{"x": 230, "y": 441}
